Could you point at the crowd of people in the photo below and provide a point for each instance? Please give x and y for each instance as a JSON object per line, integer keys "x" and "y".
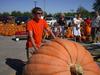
{"x": 81, "y": 30}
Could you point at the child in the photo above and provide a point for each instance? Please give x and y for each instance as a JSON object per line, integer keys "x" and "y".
{"x": 69, "y": 33}
{"x": 57, "y": 30}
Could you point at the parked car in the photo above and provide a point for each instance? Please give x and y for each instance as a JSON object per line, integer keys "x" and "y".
{"x": 21, "y": 35}
{"x": 20, "y": 20}
{"x": 51, "y": 20}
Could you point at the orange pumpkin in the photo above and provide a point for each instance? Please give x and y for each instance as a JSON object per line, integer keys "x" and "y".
{"x": 10, "y": 29}
{"x": 61, "y": 57}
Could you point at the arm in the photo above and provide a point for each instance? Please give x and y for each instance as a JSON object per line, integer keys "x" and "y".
{"x": 49, "y": 30}
{"x": 32, "y": 40}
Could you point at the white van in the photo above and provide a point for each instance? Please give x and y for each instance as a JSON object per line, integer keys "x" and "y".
{"x": 50, "y": 20}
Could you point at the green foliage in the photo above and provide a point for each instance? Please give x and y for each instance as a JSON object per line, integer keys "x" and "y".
{"x": 84, "y": 12}
{"x": 69, "y": 14}
{"x": 26, "y": 14}
{"x": 0, "y": 14}
{"x": 96, "y": 5}
{"x": 5, "y": 14}
{"x": 16, "y": 13}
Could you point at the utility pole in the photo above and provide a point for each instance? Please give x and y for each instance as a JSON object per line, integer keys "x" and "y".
{"x": 35, "y": 3}
{"x": 44, "y": 5}
{"x": 44, "y": 8}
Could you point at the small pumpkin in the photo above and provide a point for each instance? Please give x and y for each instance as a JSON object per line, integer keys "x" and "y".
{"x": 61, "y": 57}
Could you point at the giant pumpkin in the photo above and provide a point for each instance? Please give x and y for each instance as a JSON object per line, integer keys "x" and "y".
{"x": 61, "y": 57}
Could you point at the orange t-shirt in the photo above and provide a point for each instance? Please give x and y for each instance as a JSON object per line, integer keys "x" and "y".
{"x": 37, "y": 29}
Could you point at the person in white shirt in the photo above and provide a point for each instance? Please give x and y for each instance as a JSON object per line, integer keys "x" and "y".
{"x": 95, "y": 26}
{"x": 76, "y": 27}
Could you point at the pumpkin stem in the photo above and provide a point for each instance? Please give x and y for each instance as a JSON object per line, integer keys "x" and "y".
{"x": 76, "y": 70}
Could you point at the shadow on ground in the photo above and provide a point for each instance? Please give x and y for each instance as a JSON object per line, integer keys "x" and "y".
{"x": 15, "y": 64}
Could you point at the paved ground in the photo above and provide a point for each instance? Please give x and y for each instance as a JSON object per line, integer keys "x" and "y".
{"x": 12, "y": 55}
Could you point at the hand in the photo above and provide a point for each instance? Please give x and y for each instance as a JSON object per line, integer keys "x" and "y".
{"x": 34, "y": 52}
{"x": 35, "y": 49}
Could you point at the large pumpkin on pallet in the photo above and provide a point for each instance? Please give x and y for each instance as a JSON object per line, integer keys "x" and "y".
{"x": 61, "y": 57}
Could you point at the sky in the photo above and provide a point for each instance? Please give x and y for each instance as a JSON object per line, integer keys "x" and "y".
{"x": 50, "y": 6}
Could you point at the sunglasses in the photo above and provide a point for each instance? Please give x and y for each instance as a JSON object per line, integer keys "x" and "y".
{"x": 39, "y": 13}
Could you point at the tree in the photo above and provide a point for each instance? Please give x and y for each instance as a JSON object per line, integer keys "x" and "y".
{"x": 16, "y": 13}
{"x": 83, "y": 11}
{"x": 5, "y": 14}
{"x": 96, "y": 5}
{"x": 27, "y": 14}
{"x": 0, "y": 14}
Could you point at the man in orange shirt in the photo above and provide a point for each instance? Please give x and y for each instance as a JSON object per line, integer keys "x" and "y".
{"x": 35, "y": 28}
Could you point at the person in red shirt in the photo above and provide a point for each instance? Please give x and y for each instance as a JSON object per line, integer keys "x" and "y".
{"x": 35, "y": 28}
{"x": 87, "y": 29}
{"x": 87, "y": 26}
